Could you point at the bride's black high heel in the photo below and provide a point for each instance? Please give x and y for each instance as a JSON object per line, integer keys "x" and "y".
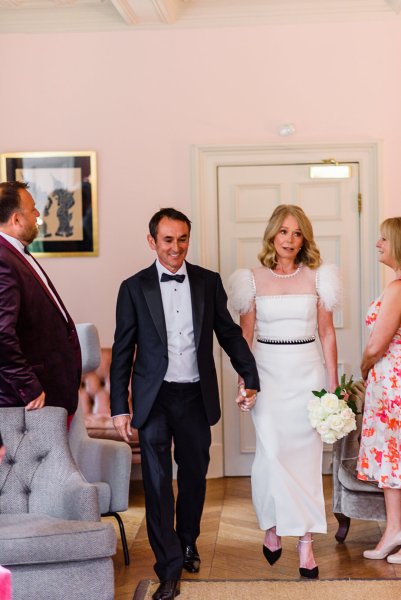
{"x": 271, "y": 556}
{"x": 308, "y": 573}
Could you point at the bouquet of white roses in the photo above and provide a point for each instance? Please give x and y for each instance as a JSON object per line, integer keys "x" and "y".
{"x": 333, "y": 414}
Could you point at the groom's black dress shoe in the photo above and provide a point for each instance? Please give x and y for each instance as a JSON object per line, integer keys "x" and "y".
{"x": 192, "y": 559}
{"x": 167, "y": 590}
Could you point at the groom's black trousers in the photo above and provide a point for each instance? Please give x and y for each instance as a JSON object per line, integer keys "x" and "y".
{"x": 177, "y": 416}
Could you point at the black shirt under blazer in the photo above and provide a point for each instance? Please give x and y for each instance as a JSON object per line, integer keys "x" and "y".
{"x": 140, "y": 343}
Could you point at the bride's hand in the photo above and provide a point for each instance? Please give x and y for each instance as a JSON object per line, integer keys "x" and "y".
{"x": 246, "y": 399}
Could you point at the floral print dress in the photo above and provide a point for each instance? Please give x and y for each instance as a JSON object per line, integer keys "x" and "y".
{"x": 380, "y": 451}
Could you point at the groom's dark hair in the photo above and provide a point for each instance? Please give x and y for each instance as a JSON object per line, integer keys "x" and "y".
{"x": 169, "y": 213}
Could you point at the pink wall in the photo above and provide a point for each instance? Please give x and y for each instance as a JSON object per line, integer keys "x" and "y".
{"x": 142, "y": 98}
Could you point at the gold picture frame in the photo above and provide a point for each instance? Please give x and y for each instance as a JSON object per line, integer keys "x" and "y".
{"x": 64, "y": 186}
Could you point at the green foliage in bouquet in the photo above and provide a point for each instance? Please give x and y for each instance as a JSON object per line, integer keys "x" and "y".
{"x": 345, "y": 391}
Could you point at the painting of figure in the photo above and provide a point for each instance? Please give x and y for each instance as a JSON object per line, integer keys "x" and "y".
{"x": 64, "y": 188}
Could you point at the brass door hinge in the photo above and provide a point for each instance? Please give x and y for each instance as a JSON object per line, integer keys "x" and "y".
{"x": 359, "y": 203}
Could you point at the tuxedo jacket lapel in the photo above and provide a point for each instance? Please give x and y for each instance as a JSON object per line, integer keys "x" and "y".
{"x": 151, "y": 290}
{"x": 197, "y": 286}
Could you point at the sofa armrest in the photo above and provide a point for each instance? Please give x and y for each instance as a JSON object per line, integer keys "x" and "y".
{"x": 80, "y": 500}
{"x": 108, "y": 461}
{"x": 69, "y": 498}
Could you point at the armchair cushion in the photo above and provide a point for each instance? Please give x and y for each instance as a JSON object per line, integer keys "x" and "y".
{"x": 33, "y": 539}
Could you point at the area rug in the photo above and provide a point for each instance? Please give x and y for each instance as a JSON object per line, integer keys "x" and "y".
{"x": 344, "y": 589}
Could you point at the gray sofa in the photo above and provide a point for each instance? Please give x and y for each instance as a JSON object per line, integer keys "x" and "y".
{"x": 50, "y": 535}
{"x": 352, "y": 498}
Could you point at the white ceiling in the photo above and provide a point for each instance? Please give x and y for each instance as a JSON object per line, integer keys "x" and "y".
{"x": 103, "y": 15}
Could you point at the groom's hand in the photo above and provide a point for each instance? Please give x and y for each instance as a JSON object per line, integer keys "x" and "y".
{"x": 122, "y": 424}
{"x": 246, "y": 399}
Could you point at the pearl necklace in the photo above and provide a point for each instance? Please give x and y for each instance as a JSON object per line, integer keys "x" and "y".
{"x": 286, "y": 276}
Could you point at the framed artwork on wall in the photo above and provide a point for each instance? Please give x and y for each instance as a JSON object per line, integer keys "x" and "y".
{"x": 64, "y": 186}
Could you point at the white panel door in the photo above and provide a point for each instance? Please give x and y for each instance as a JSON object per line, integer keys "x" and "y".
{"x": 247, "y": 195}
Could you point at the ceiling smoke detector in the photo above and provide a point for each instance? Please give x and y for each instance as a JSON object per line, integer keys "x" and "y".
{"x": 287, "y": 129}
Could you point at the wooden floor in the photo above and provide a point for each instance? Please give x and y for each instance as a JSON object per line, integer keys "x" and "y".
{"x": 230, "y": 543}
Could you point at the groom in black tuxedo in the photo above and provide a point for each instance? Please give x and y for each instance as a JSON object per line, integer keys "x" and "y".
{"x": 166, "y": 316}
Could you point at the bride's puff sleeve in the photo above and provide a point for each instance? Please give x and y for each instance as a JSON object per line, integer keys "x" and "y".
{"x": 241, "y": 292}
{"x": 328, "y": 285}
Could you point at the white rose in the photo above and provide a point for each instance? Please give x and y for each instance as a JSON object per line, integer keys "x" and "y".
{"x": 349, "y": 424}
{"x": 347, "y": 413}
{"x": 335, "y": 422}
{"x": 330, "y": 403}
{"x": 322, "y": 428}
{"x": 330, "y": 437}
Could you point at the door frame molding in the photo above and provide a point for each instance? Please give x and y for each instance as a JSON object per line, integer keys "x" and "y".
{"x": 207, "y": 159}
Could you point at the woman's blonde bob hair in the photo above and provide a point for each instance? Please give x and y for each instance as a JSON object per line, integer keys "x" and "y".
{"x": 308, "y": 255}
{"x": 391, "y": 231}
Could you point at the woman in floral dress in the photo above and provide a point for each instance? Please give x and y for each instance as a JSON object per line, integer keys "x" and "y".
{"x": 380, "y": 451}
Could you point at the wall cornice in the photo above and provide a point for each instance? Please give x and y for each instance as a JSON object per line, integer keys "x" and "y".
{"x": 99, "y": 15}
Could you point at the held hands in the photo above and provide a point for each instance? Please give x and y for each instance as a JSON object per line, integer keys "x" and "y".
{"x": 122, "y": 424}
{"x": 246, "y": 398}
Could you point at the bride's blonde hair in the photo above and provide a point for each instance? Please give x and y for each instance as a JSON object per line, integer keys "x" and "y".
{"x": 391, "y": 231}
{"x": 308, "y": 255}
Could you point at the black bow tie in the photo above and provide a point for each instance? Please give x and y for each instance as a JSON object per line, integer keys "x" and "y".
{"x": 26, "y": 250}
{"x": 179, "y": 278}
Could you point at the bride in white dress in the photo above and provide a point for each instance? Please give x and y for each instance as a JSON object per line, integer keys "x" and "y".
{"x": 283, "y": 306}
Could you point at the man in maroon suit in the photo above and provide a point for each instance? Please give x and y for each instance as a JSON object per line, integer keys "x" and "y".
{"x": 40, "y": 358}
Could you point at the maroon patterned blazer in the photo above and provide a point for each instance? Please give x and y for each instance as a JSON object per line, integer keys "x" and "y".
{"x": 39, "y": 348}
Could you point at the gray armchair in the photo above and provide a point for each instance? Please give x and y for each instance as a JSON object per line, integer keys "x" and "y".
{"x": 50, "y": 535}
{"x": 352, "y": 498}
{"x": 105, "y": 463}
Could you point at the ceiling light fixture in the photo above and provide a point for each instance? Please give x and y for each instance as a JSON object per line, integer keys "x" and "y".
{"x": 330, "y": 169}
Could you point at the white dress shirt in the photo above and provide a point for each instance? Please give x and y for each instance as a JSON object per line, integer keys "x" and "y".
{"x": 20, "y": 247}
{"x": 177, "y": 306}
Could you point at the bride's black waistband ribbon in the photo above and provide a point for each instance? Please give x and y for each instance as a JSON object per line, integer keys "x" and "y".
{"x": 305, "y": 340}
